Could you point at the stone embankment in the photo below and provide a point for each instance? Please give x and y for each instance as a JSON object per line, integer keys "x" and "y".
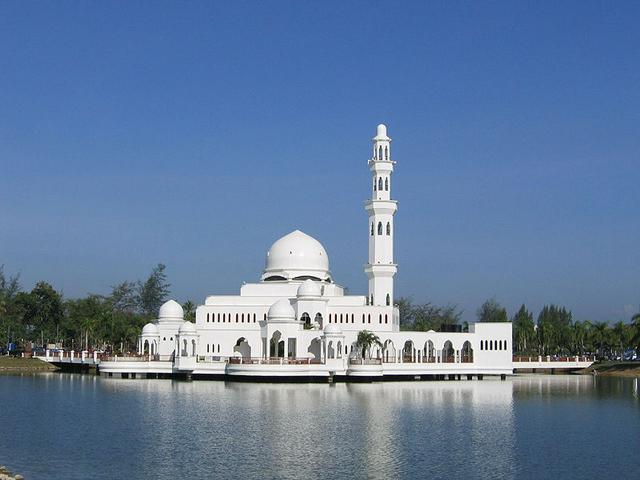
{"x": 24, "y": 365}
{"x": 7, "y": 475}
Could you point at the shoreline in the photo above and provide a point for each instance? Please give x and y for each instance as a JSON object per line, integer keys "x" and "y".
{"x": 24, "y": 365}
{"x": 613, "y": 369}
{"x": 5, "y": 474}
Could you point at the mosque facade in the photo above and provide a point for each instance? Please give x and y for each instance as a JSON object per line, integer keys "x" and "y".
{"x": 296, "y": 321}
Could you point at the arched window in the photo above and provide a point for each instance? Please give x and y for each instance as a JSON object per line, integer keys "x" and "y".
{"x": 340, "y": 318}
{"x": 388, "y": 228}
{"x": 224, "y": 317}
{"x": 380, "y": 318}
{"x": 254, "y": 318}
{"x": 372, "y": 229}
{"x": 218, "y": 320}
{"x": 371, "y": 299}
{"x": 236, "y": 318}
{"x": 265, "y": 317}
{"x": 386, "y": 318}
{"x": 379, "y": 228}
{"x": 363, "y": 317}
{"x": 380, "y": 153}
{"x": 243, "y": 318}
{"x": 352, "y": 318}
{"x": 330, "y": 316}
{"x": 306, "y": 318}
{"x": 386, "y": 184}
{"x": 207, "y": 318}
{"x": 380, "y": 184}
{"x": 207, "y": 348}
{"x": 388, "y": 299}
{"x": 386, "y": 153}
{"x": 375, "y": 184}
{"x": 369, "y": 318}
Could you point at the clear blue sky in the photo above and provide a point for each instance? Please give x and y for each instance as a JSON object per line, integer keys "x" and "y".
{"x": 196, "y": 134}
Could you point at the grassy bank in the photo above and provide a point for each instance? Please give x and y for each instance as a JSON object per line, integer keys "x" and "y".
{"x": 614, "y": 369}
{"x": 10, "y": 364}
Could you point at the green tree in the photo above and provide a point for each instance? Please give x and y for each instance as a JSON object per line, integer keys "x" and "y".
{"x": 189, "y": 309}
{"x": 601, "y": 338}
{"x": 42, "y": 312}
{"x": 554, "y": 330}
{"x": 10, "y": 312}
{"x": 492, "y": 311}
{"x": 635, "y": 330}
{"x": 365, "y": 341}
{"x": 426, "y": 316}
{"x": 524, "y": 333}
{"x": 154, "y": 291}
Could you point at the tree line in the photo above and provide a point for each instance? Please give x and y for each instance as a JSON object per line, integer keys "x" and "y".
{"x": 109, "y": 322}
{"x": 553, "y": 332}
{"x": 113, "y": 322}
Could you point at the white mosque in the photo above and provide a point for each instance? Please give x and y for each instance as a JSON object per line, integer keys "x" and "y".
{"x": 297, "y": 323}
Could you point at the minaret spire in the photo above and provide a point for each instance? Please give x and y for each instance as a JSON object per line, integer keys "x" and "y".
{"x": 380, "y": 270}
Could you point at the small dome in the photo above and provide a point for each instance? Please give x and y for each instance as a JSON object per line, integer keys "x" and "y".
{"x": 332, "y": 329}
{"x": 187, "y": 327}
{"x": 281, "y": 310}
{"x": 297, "y": 256}
{"x": 171, "y": 310}
{"x": 381, "y": 132}
{"x": 150, "y": 329}
{"x": 309, "y": 288}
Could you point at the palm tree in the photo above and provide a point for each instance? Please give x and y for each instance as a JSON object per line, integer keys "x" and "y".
{"x": 600, "y": 336}
{"x": 366, "y": 340}
{"x": 189, "y": 311}
{"x": 635, "y": 324}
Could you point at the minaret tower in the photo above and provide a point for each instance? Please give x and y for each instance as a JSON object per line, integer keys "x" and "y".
{"x": 381, "y": 209}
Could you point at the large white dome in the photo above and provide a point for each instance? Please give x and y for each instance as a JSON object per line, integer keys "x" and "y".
{"x": 297, "y": 256}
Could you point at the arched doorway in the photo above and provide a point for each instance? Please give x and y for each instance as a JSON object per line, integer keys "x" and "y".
{"x": 331, "y": 352}
{"x": 243, "y": 348}
{"x": 276, "y": 345}
{"x": 448, "y": 354}
{"x": 315, "y": 349}
{"x": 429, "y": 352}
{"x": 408, "y": 352}
{"x": 388, "y": 352}
{"x": 467, "y": 352}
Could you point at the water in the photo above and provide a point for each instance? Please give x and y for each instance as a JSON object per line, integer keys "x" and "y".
{"x": 81, "y": 426}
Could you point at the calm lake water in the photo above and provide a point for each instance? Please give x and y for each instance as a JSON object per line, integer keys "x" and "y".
{"x": 81, "y": 426}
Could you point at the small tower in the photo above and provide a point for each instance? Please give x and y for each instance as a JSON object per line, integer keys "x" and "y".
{"x": 380, "y": 270}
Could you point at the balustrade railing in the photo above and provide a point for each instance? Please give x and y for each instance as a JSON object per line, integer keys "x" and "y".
{"x": 551, "y": 358}
{"x": 365, "y": 361}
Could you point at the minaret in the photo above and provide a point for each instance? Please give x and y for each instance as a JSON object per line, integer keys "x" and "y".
{"x": 381, "y": 269}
